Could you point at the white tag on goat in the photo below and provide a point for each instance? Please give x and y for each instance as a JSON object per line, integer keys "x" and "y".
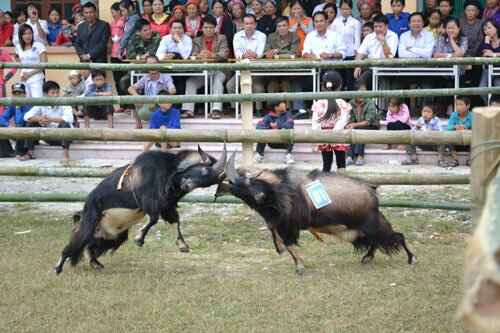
{"x": 318, "y": 194}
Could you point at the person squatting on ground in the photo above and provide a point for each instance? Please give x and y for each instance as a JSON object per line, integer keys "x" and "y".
{"x": 277, "y": 118}
{"x": 98, "y": 88}
{"x": 461, "y": 119}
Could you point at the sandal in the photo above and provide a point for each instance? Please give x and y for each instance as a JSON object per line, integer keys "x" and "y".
{"x": 187, "y": 114}
{"x": 410, "y": 162}
{"x": 453, "y": 164}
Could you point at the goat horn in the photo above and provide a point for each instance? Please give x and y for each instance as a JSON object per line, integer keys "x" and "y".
{"x": 205, "y": 158}
{"x": 221, "y": 163}
{"x": 231, "y": 172}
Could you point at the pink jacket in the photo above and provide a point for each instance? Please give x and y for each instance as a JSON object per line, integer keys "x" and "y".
{"x": 403, "y": 115}
{"x": 5, "y": 57}
{"x": 117, "y": 32}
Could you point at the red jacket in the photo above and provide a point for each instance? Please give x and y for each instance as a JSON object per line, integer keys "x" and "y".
{"x": 6, "y": 31}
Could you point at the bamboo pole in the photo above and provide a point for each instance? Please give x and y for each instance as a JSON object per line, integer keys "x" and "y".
{"x": 260, "y": 97}
{"x": 372, "y": 178}
{"x": 234, "y": 135}
{"x": 261, "y": 64}
{"x": 246, "y": 117}
{"x": 208, "y": 199}
{"x": 480, "y": 306}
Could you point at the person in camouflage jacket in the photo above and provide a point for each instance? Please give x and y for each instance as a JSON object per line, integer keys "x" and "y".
{"x": 144, "y": 43}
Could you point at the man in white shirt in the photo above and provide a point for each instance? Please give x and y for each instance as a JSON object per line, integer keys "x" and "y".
{"x": 321, "y": 43}
{"x": 49, "y": 116}
{"x": 176, "y": 45}
{"x": 380, "y": 44}
{"x": 249, "y": 43}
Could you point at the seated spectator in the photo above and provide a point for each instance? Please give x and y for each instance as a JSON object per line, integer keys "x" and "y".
{"x": 99, "y": 88}
{"x": 176, "y": 45}
{"x": 322, "y": 43}
{"x": 453, "y": 44}
{"x": 15, "y": 112}
{"x": 364, "y": 115}
{"x": 54, "y": 26}
{"x": 427, "y": 122}
{"x": 446, "y": 9}
{"x": 163, "y": 116}
{"x": 461, "y": 119}
{"x": 49, "y": 116}
{"x": 224, "y": 22}
{"x": 256, "y": 9}
{"x": 284, "y": 44}
{"x": 398, "y": 116}
{"x": 192, "y": 22}
{"x": 489, "y": 48}
{"x": 159, "y": 19}
{"x": 147, "y": 10}
{"x": 366, "y": 30}
{"x": 65, "y": 36}
{"x": 434, "y": 23}
{"x": 144, "y": 43}
{"x": 331, "y": 13}
{"x": 490, "y": 9}
{"x": 209, "y": 46}
{"x": 267, "y": 23}
{"x": 398, "y": 20}
{"x": 277, "y": 118}
{"x": 76, "y": 88}
{"x": 204, "y": 8}
{"x": 472, "y": 27}
{"x": 299, "y": 22}
{"x": 6, "y": 30}
{"x": 366, "y": 12}
{"x": 178, "y": 14}
{"x": 150, "y": 84}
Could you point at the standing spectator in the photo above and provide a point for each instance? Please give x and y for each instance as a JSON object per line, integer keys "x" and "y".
{"x": 350, "y": 31}
{"x": 366, "y": 13}
{"x": 159, "y": 19}
{"x": 460, "y": 119}
{"x": 364, "y": 115}
{"x": 49, "y": 116}
{"x": 490, "y": 9}
{"x": 6, "y": 30}
{"x": 237, "y": 11}
{"x": 131, "y": 17}
{"x": 300, "y": 23}
{"x": 430, "y": 5}
{"x": 54, "y": 26}
{"x": 163, "y": 116}
{"x": 65, "y": 37}
{"x": 322, "y": 43}
{"x": 21, "y": 18}
{"x": 204, "y": 8}
{"x": 446, "y": 9}
{"x": 147, "y": 9}
{"x": 5, "y": 57}
{"x": 150, "y": 84}
{"x": 176, "y": 45}
{"x": 398, "y": 116}
{"x": 331, "y": 114}
{"x": 257, "y": 9}
{"x": 434, "y": 23}
{"x": 144, "y": 43}
{"x": 398, "y": 20}
{"x": 209, "y": 46}
{"x": 9, "y": 18}
{"x": 40, "y": 27}
{"x": 192, "y": 22}
{"x": 321, "y": 6}
{"x": 491, "y": 49}
{"x": 278, "y": 118}
{"x": 178, "y": 14}
{"x": 380, "y": 44}
{"x": 249, "y": 44}
{"x": 29, "y": 51}
{"x": 99, "y": 88}
{"x": 117, "y": 33}
{"x": 472, "y": 27}
{"x": 224, "y": 22}
{"x": 91, "y": 42}
{"x": 15, "y": 112}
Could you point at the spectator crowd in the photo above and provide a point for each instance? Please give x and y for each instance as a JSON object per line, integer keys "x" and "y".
{"x": 151, "y": 31}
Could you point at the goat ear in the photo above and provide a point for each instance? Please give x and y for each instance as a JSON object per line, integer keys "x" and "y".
{"x": 205, "y": 158}
{"x": 259, "y": 197}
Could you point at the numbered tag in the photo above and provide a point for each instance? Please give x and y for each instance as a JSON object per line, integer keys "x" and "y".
{"x": 318, "y": 194}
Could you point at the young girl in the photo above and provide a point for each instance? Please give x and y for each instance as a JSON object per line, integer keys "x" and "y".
{"x": 54, "y": 25}
{"x": 398, "y": 116}
{"x": 331, "y": 114}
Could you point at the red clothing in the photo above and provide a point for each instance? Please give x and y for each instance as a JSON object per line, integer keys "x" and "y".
{"x": 117, "y": 31}
{"x": 62, "y": 39}
{"x": 5, "y": 57}
{"x": 190, "y": 29}
{"x": 209, "y": 44}
{"x": 160, "y": 25}
{"x": 6, "y": 31}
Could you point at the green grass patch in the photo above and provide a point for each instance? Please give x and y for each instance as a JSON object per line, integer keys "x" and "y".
{"x": 232, "y": 281}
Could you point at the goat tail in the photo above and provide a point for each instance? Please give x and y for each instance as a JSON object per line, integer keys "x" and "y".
{"x": 82, "y": 233}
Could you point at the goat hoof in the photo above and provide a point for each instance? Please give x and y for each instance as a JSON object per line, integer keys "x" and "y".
{"x": 300, "y": 270}
{"x": 57, "y": 270}
{"x": 139, "y": 242}
{"x": 412, "y": 260}
{"x": 366, "y": 260}
{"x": 184, "y": 249}
{"x": 97, "y": 265}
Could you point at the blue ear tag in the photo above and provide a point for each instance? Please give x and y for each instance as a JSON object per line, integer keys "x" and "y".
{"x": 318, "y": 194}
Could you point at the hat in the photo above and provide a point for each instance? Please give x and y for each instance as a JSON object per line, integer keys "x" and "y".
{"x": 18, "y": 88}
{"x": 474, "y": 3}
{"x": 332, "y": 80}
{"x": 74, "y": 73}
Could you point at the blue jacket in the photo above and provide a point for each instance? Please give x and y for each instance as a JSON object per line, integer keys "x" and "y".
{"x": 284, "y": 121}
{"x": 15, "y": 112}
{"x": 456, "y": 120}
{"x": 399, "y": 26}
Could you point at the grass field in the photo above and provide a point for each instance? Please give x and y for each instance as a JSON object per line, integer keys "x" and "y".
{"x": 232, "y": 281}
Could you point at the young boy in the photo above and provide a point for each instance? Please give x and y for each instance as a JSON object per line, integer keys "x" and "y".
{"x": 461, "y": 119}
{"x": 75, "y": 88}
{"x": 99, "y": 88}
{"x": 367, "y": 29}
{"x": 277, "y": 118}
{"x": 398, "y": 20}
{"x": 427, "y": 122}
{"x": 49, "y": 116}
{"x": 163, "y": 116}
{"x": 16, "y": 112}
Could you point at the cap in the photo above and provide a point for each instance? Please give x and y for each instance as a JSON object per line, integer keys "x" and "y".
{"x": 74, "y": 73}
{"x": 332, "y": 80}
{"x": 18, "y": 88}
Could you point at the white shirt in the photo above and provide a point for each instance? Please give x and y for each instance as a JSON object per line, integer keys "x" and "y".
{"x": 420, "y": 46}
{"x": 31, "y": 56}
{"x": 371, "y": 47}
{"x": 318, "y": 8}
{"x": 350, "y": 32}
{"x": 36, "y": 37}
{"x": 60, "y": 111}
{"x": 329, "y": 42}
{"x": 256, "y": 43}
{"x": 168, "y": 45}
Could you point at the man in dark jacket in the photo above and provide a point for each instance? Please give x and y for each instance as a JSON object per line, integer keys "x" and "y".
{"x": 92, "y": 38}
{"x": 277, "y": 118}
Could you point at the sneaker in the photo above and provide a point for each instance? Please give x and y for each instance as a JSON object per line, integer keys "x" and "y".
{"x": 289, "y": 159}
{"x": 258, "y": 158}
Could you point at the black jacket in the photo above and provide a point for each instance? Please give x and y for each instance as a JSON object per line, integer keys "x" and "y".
{"x": 93, "y": 40}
